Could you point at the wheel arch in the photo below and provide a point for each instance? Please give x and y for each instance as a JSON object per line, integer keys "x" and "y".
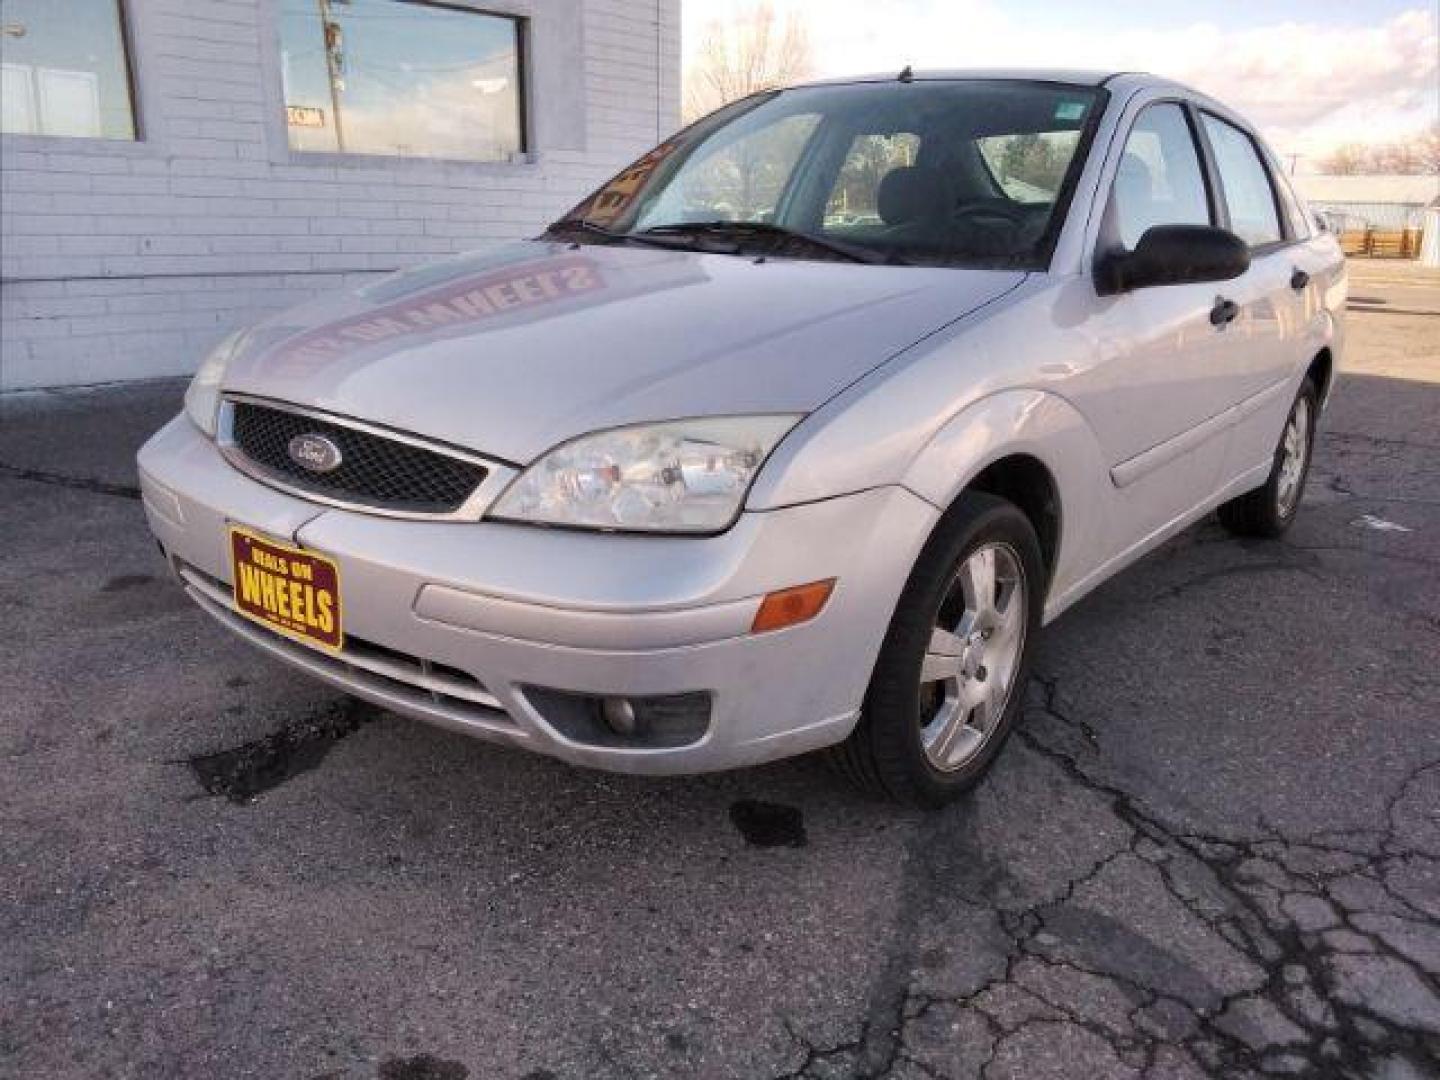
{"x": 1034, "y": 449}
{"x": 1026, "y": 482}
{"x": 1322, "y": 373}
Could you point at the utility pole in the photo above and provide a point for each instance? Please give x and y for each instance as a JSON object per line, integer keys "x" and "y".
{"x": 334, "y": 66}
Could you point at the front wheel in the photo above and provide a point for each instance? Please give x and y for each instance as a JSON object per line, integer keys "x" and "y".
{"x": 950, "y": 677}
{"x": 1270, "y": 509}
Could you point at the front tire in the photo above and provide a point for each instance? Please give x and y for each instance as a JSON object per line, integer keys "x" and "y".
{"x": 1269, "y": 510}
{"x": 950, "y": 679}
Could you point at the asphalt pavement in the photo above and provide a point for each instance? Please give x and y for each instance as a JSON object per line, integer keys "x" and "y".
{"x": 1213, "y": 847}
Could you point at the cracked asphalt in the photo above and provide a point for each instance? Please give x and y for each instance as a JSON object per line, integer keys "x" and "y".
{"x": 1213, "y": 848}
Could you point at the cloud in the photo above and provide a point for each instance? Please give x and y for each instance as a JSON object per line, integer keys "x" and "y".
{"x": 1307, "y": 85}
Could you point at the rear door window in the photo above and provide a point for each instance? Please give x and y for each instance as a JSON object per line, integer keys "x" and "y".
{"x": 1245, "y": 181}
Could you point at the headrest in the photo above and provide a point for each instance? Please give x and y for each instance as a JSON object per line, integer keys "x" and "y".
{"x": 1135, "y": 176}
{"x": 914, "y": 193}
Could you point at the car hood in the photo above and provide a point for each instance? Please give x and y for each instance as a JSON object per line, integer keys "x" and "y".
{"x": 510, "y": 351}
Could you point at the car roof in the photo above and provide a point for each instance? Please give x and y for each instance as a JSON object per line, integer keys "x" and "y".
{"x": 1067, "y": 76}
{"x": 1122, "y": 83}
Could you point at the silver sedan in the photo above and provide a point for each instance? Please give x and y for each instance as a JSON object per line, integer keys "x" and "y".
{"x": 790, "y": 437}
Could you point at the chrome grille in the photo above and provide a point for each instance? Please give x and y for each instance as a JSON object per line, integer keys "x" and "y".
{"x": 387, "y": 473}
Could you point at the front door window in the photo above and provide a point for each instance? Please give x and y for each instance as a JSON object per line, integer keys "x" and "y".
{"x": 1160, "y": 181}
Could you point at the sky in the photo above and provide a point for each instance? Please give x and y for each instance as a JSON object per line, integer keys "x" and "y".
{"x": 1312, "y": 75}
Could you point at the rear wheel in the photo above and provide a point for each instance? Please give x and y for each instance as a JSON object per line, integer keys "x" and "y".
{"x": 950, "y": 677}
{"x": 1270, "y": 509}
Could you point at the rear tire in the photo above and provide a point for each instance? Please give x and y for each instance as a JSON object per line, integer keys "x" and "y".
{"x": 950, "y": 678}
{"x": 1270, "y": 509}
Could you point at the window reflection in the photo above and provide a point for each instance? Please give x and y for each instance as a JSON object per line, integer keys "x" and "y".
{"x": 63, "y": 70}
{"x": 401, "y": 78}
{"x": 741, "y": 180}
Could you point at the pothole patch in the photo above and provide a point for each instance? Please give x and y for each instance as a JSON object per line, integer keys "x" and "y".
{"x": 765, "y": 824}
{"x": 244, "y": 772}
{"x": 126, "y": 582}
{"x": 422, "y": 1067}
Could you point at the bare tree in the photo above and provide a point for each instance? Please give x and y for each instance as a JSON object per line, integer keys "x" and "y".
{"x": 1428, "y": 151}
{"x": 755, "y": 51}
{"x": 1419, "y": 155}
{"x": 1347, "y": 160}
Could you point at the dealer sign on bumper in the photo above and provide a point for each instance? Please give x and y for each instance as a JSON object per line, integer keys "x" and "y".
{"x": 286, "y": 589}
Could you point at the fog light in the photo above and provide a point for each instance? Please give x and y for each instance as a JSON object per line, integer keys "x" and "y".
{"x": 642, "y": 722}
{"x": 619, "y": 715}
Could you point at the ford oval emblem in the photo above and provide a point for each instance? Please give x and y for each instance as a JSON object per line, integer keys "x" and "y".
{"x": 315, "y": 452}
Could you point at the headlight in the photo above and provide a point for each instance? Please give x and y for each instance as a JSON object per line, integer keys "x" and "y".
{"x": 683, "y": 476}
{"x": 202, "y": 398}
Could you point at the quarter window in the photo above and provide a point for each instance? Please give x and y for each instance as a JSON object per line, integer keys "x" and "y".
{"x": 1248, "y": 194}
{"x": 1159, "y": 181}
{"x": 63, "y": 70}
{"x": 401, "y": 78}
{"x": 1294, "y": 214}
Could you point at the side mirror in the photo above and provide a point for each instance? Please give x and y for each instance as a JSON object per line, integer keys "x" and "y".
{"x": 1173, "y": 255}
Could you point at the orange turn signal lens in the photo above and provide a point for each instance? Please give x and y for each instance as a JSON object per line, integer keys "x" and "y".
{"x": 791, "y": 606}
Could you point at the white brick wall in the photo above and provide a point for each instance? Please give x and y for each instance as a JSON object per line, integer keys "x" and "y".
{"x": 124, "y": 260}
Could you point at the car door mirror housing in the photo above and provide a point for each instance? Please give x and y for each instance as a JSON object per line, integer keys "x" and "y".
{"x": 1173, "y": 255}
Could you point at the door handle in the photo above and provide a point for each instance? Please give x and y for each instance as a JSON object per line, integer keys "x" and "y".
{"x": 1299, "y": 279}
{"x": 1224, "y": 312}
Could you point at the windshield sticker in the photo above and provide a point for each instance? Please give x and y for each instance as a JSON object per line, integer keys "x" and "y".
{"x": 608, "y": 204}
{"x": 1070, "y": 110}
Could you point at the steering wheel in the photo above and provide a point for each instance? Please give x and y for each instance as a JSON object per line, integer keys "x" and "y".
{"x": 994, "y": 208}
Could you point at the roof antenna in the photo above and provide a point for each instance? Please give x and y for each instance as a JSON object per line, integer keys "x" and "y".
{"x": 908, "y": 75}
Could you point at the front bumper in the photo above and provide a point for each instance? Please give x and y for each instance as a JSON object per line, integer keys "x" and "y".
{"x": 450, "y": 623}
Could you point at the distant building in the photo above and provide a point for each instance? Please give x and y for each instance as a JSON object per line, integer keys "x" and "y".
{"x": 1384, "y": 214}
{"x": 172, "y": 169}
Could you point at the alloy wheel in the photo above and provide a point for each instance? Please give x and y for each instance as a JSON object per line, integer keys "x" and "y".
{"x": 973, "y": 657}
{"x": 1295, "y": 451}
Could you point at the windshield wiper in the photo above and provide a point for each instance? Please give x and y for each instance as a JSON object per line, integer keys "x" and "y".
{"x": 589, "y": 228}
{"x": 744, "y": 229}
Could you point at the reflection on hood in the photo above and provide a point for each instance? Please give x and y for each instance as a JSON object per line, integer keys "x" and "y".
{"x": 513, "y": 350}
{"x": 445, "y": 310}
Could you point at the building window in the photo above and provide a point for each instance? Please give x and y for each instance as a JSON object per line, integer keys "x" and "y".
{"x": 64, "y": 70}
{"x": 401, "y": 78}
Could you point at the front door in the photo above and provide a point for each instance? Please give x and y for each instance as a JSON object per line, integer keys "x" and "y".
{"x": 1167, "y": 366}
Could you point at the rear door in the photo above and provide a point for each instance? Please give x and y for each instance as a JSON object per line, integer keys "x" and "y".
{"x": 1276, "y": 296}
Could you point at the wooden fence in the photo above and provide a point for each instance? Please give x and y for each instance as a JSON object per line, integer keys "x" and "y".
{"x": 1382, "y": 243}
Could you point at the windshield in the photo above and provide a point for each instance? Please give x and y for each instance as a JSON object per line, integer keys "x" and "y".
{"x": 954, "y": 172}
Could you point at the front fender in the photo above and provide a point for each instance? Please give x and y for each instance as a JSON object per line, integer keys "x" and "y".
{"x": 1037, "y": 424}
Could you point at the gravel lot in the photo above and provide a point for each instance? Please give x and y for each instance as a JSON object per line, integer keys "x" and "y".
{"x": 1212, "y": 849}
